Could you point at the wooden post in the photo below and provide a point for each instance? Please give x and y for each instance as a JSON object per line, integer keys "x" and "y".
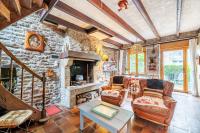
{"x": 87, "y": 75}
{"x": 11, "y": 74}
{"x": 22, "y": 82}
{"x": 0, "y": 63}
{"x": 32, "y": 90}
{"x": 43, "y": 95}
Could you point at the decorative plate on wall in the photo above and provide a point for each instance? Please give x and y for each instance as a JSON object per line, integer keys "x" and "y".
{"x": 34, "y": 42}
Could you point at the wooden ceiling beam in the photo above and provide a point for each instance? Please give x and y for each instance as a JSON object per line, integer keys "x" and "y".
{"x": 24, "y": 12}
{"x": 173, "y": 38}
{"x": 73, "y": 12}
{"x": 146, "y": 16}
{"x": 117, "y": 44}
{"x": 26, "y": 3}
{"x": 105, "y": 9}
{"x": 50, "y": 6}
{"x": 38, "y": 2}
{"x": 4, "y": 11}
{"x": 178, "y": 16}
{"x": 15, "y": 4}
{"x": 56, "y": 20}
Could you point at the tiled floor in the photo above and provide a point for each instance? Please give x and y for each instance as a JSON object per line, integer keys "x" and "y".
{"x": 186, "y": 120}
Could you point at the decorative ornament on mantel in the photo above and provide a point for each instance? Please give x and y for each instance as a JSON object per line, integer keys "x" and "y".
{"x": 123, "y": 4}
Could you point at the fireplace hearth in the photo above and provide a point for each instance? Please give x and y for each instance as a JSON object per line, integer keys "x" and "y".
{"x": 81, "y": 72}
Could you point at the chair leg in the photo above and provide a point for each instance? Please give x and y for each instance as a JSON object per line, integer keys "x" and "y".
{"x": 7, "y": 131}
{"x": 26, "y": 129}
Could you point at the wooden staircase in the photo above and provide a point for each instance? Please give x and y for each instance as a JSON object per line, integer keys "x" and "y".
{"x": 13, "y": 10}
{"x": 11, "y": 102}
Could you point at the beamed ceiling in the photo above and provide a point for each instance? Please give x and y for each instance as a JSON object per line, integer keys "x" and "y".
{"x": 144, "y": 20}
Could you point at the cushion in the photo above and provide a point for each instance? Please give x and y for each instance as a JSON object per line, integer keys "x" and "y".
{"x": 153, "y": 92}
{"x": 117, "y": 86}
{"x": 155, "y": 84}
{"x": 111, "y": 93}
{"x": 118, "y": 80}
{"x": 151, "y": 104}
{"x": 15, "y": 118}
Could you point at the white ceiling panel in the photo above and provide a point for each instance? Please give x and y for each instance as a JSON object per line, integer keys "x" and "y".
{"x": 71, "y": 19}
{"x": 163, "y": 15}
{"x": 118, "y": 40}
{"x": 190, "y": 15}
{"x": 91, "y": 11}
{"x": 132, "y": 16}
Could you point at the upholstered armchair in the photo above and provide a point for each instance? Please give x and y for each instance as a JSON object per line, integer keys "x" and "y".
{"x": 153, "y": 101}
{"x": 114, "y": 93}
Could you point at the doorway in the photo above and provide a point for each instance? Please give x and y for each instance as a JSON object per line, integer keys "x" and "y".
{"x": 174, "y": 64}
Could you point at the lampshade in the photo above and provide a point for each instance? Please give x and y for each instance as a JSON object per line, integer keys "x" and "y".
{"x": 137, "y": 48}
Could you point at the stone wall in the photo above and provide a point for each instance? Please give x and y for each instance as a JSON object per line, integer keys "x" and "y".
{"x": 78, "y": 41}
{"x": 13, "y": 38}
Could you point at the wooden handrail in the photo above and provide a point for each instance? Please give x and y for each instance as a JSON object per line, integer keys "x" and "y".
{"x": 19, "y": 62}
{"x": 34, "y": 75}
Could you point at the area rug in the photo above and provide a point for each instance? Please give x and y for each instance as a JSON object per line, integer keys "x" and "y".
{"x": 52, "y": 110}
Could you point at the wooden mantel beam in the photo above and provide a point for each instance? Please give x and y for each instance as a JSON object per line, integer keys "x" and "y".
{"x": 146, "y": 16}
{"x": 75, "y": 13}
{"x": 178, "y": 16}
{"x": 105, "y": 9}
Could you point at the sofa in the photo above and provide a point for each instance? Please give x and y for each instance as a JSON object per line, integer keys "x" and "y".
{"x": 114, "y": 92}
{"x": 153, "y": 101}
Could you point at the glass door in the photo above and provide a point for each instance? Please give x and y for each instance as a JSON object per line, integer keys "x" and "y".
{"x": 173, "y": 68}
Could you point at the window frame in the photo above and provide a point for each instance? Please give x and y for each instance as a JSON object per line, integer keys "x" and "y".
{"x": 136, "y": 60}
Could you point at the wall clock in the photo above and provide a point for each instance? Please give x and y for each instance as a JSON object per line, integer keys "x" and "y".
{"x": 34, "y": 42}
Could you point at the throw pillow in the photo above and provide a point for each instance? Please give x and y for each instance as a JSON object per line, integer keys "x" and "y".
{"x": 153, "y": 92}
{"x": 111, "y": 93}
{"x": 117, "y": 86}
{"x": 155, "y": 84}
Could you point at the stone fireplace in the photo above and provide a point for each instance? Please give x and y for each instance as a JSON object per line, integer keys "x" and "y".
{"x": 78, "y": 76}
{"x": 81, "y": 72}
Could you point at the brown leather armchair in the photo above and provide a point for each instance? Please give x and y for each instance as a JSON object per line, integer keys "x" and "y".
{"x": 154, "y": 103}
{"x": 117, "y": 83}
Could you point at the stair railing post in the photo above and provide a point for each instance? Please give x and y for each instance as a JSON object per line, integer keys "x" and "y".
{"x": 32, "y": 90}
{"x": 0, "y": 63}
{"x": 43, "y": 95}
{"x": 11, "y": 75}
{"x": 22, "y": 83}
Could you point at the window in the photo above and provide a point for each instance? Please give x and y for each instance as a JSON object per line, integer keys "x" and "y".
{"x": 133, "y": 63}
{"x": 137, "y": 63}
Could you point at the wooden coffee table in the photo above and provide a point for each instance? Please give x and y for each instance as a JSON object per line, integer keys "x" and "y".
{"x": 114, "y": 125}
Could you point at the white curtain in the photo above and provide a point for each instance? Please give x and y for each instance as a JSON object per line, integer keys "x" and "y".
{"x": 121, "y": 53}
{"x": 193, "y": 64}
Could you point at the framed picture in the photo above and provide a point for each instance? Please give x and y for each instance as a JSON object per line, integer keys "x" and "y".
{"x": 34, "y": 42}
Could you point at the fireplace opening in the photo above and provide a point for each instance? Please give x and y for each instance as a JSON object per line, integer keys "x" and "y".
{"x": 81, "y": 72}
{"x": 5, "y": 78}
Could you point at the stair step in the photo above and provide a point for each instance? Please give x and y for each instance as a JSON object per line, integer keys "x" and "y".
{"x": 4, "y": 11}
